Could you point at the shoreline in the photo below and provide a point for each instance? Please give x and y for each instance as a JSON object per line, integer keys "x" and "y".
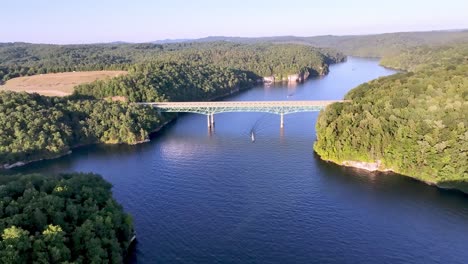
{"x": 151, "y": 133}
{"x": 23, "y": 163}
{"x": 361, "y": 165}
{"x": 9, "y": 166}
{"x": 377, "y": 166}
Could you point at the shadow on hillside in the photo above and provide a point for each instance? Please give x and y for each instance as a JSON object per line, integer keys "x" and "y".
{"x": 461, "y": 185}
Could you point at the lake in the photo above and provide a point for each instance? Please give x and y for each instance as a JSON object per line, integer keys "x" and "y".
{"x": 217, "y": 197}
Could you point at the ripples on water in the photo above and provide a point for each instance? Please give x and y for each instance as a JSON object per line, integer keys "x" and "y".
{"x": 201, "y": 197}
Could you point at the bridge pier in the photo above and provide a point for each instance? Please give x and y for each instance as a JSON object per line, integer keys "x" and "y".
{"x": 208, "y": 120}
{"x": 282, "y": 121}
{"x": 212, "y": 120}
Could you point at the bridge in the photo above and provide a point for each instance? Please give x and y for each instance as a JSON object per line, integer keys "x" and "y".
{"x": 210, "y": 108}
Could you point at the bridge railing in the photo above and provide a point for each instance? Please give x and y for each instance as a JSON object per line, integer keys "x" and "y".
{"x": 276, "y": 107}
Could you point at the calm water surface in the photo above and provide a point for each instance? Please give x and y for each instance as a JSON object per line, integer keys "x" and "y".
{"x": 200, "y": 197}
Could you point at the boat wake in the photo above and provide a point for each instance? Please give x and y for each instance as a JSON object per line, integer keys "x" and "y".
{"x": 258, "y": 126}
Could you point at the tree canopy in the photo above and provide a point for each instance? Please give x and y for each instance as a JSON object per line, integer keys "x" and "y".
{"x": 23, "y": 59}
{"x": 162, "y": 81}
{"x": 37, "y": 127}
{"x": 426, "y": 57}
{"x": 415, "y": 123}
{"x": 61, "y": 219}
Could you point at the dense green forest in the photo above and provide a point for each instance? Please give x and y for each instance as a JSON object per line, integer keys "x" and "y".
{"x": 69, "y": 218}
{"x": 415, "y": 123}
{"x": 424, "y": 57}
{"x": 170, "y": 81}
{"x": 36, "y": 127}
{"x": 202, "y": 73}
{"x": 261, "y": 59}
{"x": 23, "y": 59}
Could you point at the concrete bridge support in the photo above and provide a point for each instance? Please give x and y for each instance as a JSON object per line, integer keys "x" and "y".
{"x": 282, "y": 121}
{"x": 208, "y": 120}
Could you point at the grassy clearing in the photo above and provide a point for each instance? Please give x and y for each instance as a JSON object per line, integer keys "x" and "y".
{"x": 56, "y": 84}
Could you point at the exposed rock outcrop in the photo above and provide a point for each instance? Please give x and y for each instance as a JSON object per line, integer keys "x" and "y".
{"x": 269, "y": 79}
{"x": 301, "y": 77}
{"x": 298, "y": 77}
{"x": 369, "y": 166}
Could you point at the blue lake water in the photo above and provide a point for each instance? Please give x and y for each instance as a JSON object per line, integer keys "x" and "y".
{"x": 217, "y": 197}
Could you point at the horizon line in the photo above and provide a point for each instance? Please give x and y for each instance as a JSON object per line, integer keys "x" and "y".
{"x": 191, "y": 40}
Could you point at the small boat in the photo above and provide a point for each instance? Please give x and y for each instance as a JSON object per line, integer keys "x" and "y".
{"x": 133, "y": 239}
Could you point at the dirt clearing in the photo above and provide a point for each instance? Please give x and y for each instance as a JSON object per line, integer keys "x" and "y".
{"x": 56, "y": 84}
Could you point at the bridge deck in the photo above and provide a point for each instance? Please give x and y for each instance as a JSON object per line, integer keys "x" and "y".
{"x": 276, "y": 107}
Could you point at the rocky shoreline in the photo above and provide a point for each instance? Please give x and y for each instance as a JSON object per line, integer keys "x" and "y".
{"x": 368, "y": 166}
{"x": 378, "y": 167}
{"x": 297, "y": 77}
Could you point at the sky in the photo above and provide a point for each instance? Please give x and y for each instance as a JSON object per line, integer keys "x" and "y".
{"x": 93, "y": 21}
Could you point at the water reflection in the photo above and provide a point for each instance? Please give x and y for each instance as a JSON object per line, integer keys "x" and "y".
{"x": 282, "y": 136}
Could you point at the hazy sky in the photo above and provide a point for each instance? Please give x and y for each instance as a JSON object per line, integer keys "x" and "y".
{"x": 88, "y": 21}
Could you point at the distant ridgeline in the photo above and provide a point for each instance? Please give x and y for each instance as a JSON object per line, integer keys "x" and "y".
{"x": 22, "y": 59}
{"x": 426, "y": 57}
{"x": 377, "y": 45}
{"x": 413, "y": 123}
{"x": 381, "y": 45}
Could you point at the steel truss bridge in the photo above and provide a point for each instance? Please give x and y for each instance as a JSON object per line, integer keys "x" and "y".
{"x": 210, "y": 108}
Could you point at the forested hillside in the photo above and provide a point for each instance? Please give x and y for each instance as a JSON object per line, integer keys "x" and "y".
{"x": 413, "y": 123}
{"x": 36, "y": 127}
{"x": 22, "y": 59}
{"x": 70, "y": 218}
{"x": 261, "y": 59}
{"x": 381, "y": 45}
{"x": 170, "y": 81}
{"x": 426, "y": 57}
{"x": 201, "y": 73}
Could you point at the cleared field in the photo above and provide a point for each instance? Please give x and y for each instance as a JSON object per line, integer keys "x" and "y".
{"x": 56, "y": 84}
